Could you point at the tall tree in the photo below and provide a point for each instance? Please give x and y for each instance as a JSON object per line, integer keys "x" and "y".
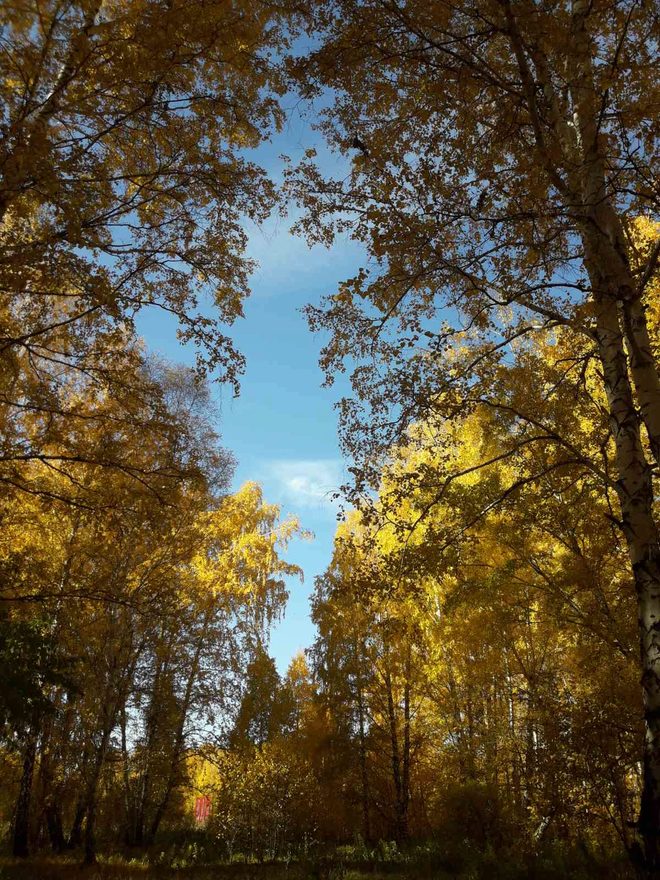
{"x": 124, "y": 186}
{"x": 87, "y": 551}
{"x": 121, "y": 163}
{"x": 502, "y": 151}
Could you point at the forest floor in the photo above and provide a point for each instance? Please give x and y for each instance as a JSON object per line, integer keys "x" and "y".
{"x": 67, "y": 869}
{"x": 116, "y": 869}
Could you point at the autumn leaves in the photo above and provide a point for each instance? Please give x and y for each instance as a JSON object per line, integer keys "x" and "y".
{"x": 502, "y": 203}
{"x": 125, "y": 564}
{"x": 502, "y": 339}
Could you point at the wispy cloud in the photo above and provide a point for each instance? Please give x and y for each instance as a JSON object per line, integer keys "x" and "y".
{"x": 285, "y": 261}
{"x": 307, "y": 483}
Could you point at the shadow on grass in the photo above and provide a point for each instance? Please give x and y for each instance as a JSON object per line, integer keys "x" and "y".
{"x": 322, "y": 868}
{"x": 71, "y": 869}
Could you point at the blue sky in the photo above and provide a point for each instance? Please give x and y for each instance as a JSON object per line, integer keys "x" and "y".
{"x": 282, "y": 429}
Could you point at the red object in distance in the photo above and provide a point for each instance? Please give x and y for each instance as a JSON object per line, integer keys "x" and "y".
{"x": 202, "y": 809}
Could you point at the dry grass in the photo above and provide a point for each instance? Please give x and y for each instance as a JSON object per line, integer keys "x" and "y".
{"x": 70, "y": 869}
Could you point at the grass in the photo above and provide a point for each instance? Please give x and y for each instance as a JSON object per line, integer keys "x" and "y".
{"x": 343, "y": 863}
{"x": 69, "y": 869}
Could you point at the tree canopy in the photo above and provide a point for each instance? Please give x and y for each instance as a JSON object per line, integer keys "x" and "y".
{"x": 492, "y": 600}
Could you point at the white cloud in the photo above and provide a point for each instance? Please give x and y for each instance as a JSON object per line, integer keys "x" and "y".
{"x": 307, "y": 483}
{"x": 285, "y": 260}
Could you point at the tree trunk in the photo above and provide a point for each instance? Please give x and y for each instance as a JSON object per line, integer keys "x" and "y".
{"x": 514, "y": 757}
{"x": 48, "y": 794}
{"x": 179, "y": 741}
{"x": 91, "y": 800}
{"x": 616, "y": 298}
{"x": 21, "y": 833}
{"x": 75, "y": 837}
{"x": 129, "y": 798}
{"x": 636, "y": 499}
{"x": 110, "y": 715}
{"x": 53, "y": 813}
{"x": 405, "y": 779}
{"x": 400, "y": 805}
{"x": 90, "y": 829}
{"x": 364, "y": 775}
{"x": 643, "y": 369}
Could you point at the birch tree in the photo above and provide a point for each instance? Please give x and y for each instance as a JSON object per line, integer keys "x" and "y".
{"x": 122, "y": 126}
{"x": 501, "y": 152}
